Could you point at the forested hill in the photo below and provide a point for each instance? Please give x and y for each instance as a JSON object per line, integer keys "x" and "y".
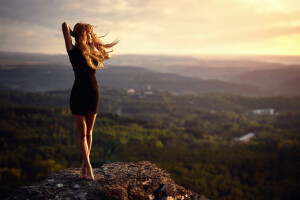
{"x": 192, "y": 138}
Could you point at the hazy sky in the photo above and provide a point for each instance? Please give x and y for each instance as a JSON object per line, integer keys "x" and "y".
{"x": 156, "y": 26}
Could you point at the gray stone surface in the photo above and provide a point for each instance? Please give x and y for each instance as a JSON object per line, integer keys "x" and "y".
{"x": 118, "y": 180}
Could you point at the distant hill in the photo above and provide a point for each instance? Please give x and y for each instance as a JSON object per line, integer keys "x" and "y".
{"x": 291, "y": 86}
{"x": 186, "y": 65}
{"x": 183, "y": 74}
{"x": 15, "y": 58}
{"x": 269, "y": 79}
{"x": 55, "y": 77}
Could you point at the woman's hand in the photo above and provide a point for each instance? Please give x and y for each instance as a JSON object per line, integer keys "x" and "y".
{"x": 66, "y": 26}
{"x": 67, "y": 35}
{"x": 71, "y": 32}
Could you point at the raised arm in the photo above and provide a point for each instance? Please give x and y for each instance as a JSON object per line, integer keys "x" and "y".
{"x": 66, "y": 31}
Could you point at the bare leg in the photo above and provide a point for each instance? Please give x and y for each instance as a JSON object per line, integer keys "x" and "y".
{"x": 90, "y": 121}
{"x": 80, "y": 121}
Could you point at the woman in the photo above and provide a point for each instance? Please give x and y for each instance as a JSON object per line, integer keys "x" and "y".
{"x": 88, "y": 52}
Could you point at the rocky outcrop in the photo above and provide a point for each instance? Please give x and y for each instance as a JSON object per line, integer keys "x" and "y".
{"x": 118, "y": 180}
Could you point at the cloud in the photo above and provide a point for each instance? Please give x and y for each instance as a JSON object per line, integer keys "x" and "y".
{"x": 165, "y": 26}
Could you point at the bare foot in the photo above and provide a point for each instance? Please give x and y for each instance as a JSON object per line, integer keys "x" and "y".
{"x": 90, "y": 175}
{"x": 82, "y": 171}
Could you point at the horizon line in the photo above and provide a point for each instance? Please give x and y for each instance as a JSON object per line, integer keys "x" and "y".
{"x": 174, "y": 54}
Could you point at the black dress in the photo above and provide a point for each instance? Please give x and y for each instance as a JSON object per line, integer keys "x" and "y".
{"x": 84, "y": 98}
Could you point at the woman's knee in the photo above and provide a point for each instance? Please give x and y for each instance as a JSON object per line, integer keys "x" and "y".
{"x": 89, "y": 133}
{"x": 82, "y": 135}
{"x": 82, "y": 132}
{"x": 81, "y": 126}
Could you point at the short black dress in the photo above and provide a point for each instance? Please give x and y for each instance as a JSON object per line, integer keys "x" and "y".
{"x": 84, "y": 98}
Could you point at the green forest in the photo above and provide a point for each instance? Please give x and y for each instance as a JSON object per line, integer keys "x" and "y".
{"x": 193, "y": 137}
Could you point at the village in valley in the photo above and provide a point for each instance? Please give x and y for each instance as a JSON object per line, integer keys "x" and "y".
{"x": 141, "y": 94}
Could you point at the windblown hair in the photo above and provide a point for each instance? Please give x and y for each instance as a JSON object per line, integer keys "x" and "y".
{"x": 91, "y": 55}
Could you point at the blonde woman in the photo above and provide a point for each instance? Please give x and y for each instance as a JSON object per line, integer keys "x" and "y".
{"x": 86, "y": 55}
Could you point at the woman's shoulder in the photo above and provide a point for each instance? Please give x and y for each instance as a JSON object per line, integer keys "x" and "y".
{"x": 73, "y": 47}
{"x": 74, "y": 52}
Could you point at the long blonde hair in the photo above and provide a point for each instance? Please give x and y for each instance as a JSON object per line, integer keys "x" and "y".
{"x": 88, "y": 49}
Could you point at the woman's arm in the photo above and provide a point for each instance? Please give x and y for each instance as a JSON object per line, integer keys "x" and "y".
{"x": 67, "y": 35}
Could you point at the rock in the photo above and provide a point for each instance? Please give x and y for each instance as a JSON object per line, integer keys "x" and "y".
{"x": 140, "y": 180}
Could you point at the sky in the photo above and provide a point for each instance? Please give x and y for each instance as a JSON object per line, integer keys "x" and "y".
{"x": 173, "y": 27}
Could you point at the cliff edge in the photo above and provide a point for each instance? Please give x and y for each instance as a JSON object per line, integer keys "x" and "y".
{"x": 118, "y": 180}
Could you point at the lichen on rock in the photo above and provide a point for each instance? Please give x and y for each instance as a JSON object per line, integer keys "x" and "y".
{"x": 117, "y": 180}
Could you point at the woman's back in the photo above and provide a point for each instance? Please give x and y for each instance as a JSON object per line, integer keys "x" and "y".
{"x": 84, "y": 97}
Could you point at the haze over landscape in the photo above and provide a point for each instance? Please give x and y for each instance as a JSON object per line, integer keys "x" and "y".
{"x": 207, "y": 90}
{"x": 209, "y": 40}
